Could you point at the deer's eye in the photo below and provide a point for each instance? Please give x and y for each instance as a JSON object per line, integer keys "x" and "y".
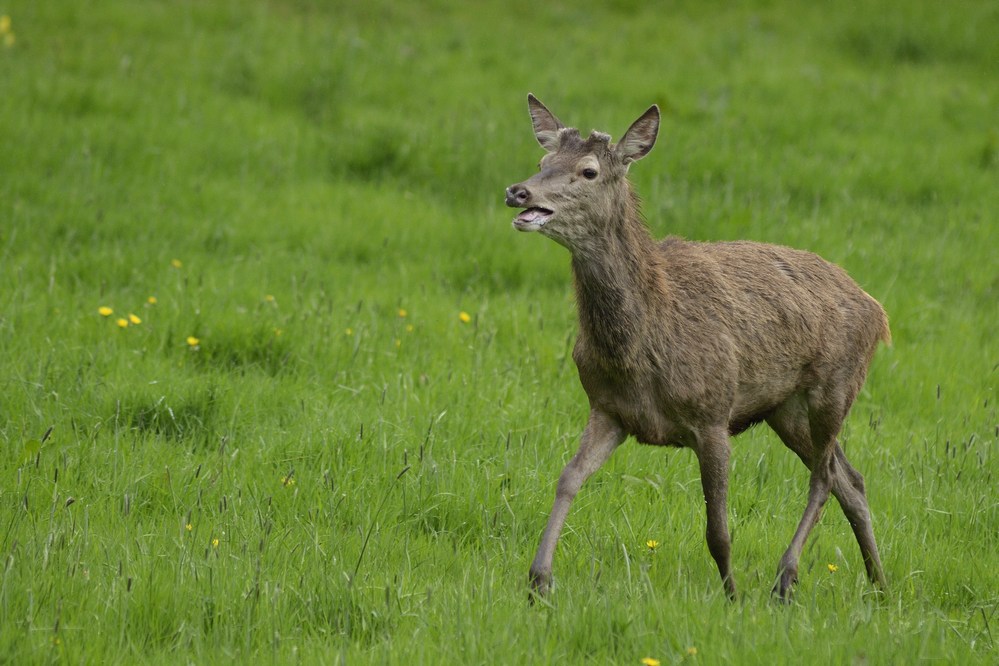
{"x": 589, "y": 174}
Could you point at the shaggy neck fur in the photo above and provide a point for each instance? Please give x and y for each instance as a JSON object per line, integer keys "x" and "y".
{"x": 612, "y": 276}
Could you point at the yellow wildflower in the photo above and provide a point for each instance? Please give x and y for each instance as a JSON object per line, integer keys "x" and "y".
{"x": 188, "y": 527}
{"x": 288, "y": 480}
{"x": 176, "y": 263}
{"x": 649, "y": 661}
{"x": 122, "y": 323}
{"x": 832, "y": 568}
{"x": 192, "y": 341}
{"x": 278, "y": 332}
{"x": 105, "y": 311}
{"x": 349, "y": 331}
{"x": 691, "y": 651}
{"x": 269, "y": 298}
{"x": 215, "y": 542}
{"x": 133, "y": 319}
{"x": 409, "y": 328}
{"x": 151, "y": 300}
{"x": 464, "y": 317}
{"x": 402, "y": 313}
{"x": 652, "y": 544}
{"x": 8, "y": 34}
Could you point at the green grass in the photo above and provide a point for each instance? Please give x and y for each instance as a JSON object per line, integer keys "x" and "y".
{"x": 317, "y": 168}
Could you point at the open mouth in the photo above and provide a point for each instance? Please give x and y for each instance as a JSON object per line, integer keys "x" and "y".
{"x": 532, "y": 218}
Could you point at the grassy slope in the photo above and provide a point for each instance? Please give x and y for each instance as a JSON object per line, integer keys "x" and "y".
{"x": 349, "y": 163}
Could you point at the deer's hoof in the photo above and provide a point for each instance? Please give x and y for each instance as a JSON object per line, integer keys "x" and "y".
{"x": 540, "y": 582}
{"x": 730, "y": 591}
{"x": 784, "y": 587}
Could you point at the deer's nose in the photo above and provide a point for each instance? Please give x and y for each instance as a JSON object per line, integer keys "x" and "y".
{"x": 517, "y": 196}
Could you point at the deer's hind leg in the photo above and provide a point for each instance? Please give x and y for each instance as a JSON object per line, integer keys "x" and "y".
{"x": 792, "y": 423}
{"x": 851, "y": 495}
{"x": 812, "y": 439}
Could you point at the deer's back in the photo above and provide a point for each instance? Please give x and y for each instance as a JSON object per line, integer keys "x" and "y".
{"x": 764, "y": 293}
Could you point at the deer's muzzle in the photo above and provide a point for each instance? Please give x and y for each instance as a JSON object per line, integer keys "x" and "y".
{"x": 531, "y": 219}
{"x": 517, "y": 196}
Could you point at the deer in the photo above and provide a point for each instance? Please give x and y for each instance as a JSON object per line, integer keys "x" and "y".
{"x": 686, "y": 344}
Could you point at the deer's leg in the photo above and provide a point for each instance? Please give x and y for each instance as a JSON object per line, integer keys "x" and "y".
{"x": 819, "y": 486}
{"x": 849, "y": 491}
{"x": 602, "y": 435}
{"x": 790, "y": 421}
{"x": 712, "y": 457}
{"x": 810, "y": 428}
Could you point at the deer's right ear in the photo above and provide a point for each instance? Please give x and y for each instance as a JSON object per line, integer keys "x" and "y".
{"x": 546, "y": 125}
{"x": 640, "y": 137}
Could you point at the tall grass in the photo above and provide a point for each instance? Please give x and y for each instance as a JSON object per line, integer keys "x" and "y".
{"x": 304, "y": 454}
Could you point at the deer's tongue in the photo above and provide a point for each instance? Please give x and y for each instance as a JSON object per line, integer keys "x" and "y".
{"x": 533, "y": 215}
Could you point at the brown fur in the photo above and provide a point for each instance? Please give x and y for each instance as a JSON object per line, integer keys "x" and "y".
{"x": 683, "y": 343}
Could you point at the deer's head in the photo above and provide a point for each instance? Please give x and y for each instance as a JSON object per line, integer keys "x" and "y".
{"x": 580, "y": 189}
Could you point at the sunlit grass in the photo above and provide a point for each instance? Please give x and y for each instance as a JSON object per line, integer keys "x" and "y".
{"x": 278, "y": 381}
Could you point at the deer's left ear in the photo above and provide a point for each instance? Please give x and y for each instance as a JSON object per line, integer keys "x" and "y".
{"x": 640, "y": 137}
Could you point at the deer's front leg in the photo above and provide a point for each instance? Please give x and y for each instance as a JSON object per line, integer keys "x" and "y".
{"x": 712, "y": 457}
{"x": 602, "y": 435}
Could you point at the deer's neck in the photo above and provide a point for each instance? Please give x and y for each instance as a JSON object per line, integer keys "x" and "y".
{"x": 614, "y": 280}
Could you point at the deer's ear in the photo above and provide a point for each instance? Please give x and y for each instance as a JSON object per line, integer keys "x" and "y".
{"x": 546, "y": 125}
{"x": 640, "y": 137}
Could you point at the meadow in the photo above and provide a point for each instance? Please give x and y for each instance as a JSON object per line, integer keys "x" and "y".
{"x": 279, "y": 383}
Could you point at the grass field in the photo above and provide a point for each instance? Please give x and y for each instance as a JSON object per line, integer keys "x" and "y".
{"x": 334, "y": 434}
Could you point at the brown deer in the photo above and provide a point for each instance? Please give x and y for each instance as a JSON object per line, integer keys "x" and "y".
{"x": 684, "y": 343}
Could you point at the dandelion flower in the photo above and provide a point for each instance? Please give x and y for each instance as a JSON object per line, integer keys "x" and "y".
{"x": 464, "y": 317}
{"x": 691, "y": 651}
{"x": 402, "y": 313}
{"x": 349, "y": 331}
{"x": 176, "y": 263}
{"x": 215, "y": 542}
{"x": 652, "y": 544}
{"x": 8, "y": 34}
{"x": 151, "y": 300}
{"x": 105, "y": 311}
{"x": 269, "y": 298}
{"x": 832, "y": 568}
{"x": 122, "y": 323}
{"x": 192, "y": 341}
{"x": 649, "y": 661}
{"x": 134, "y": 319}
